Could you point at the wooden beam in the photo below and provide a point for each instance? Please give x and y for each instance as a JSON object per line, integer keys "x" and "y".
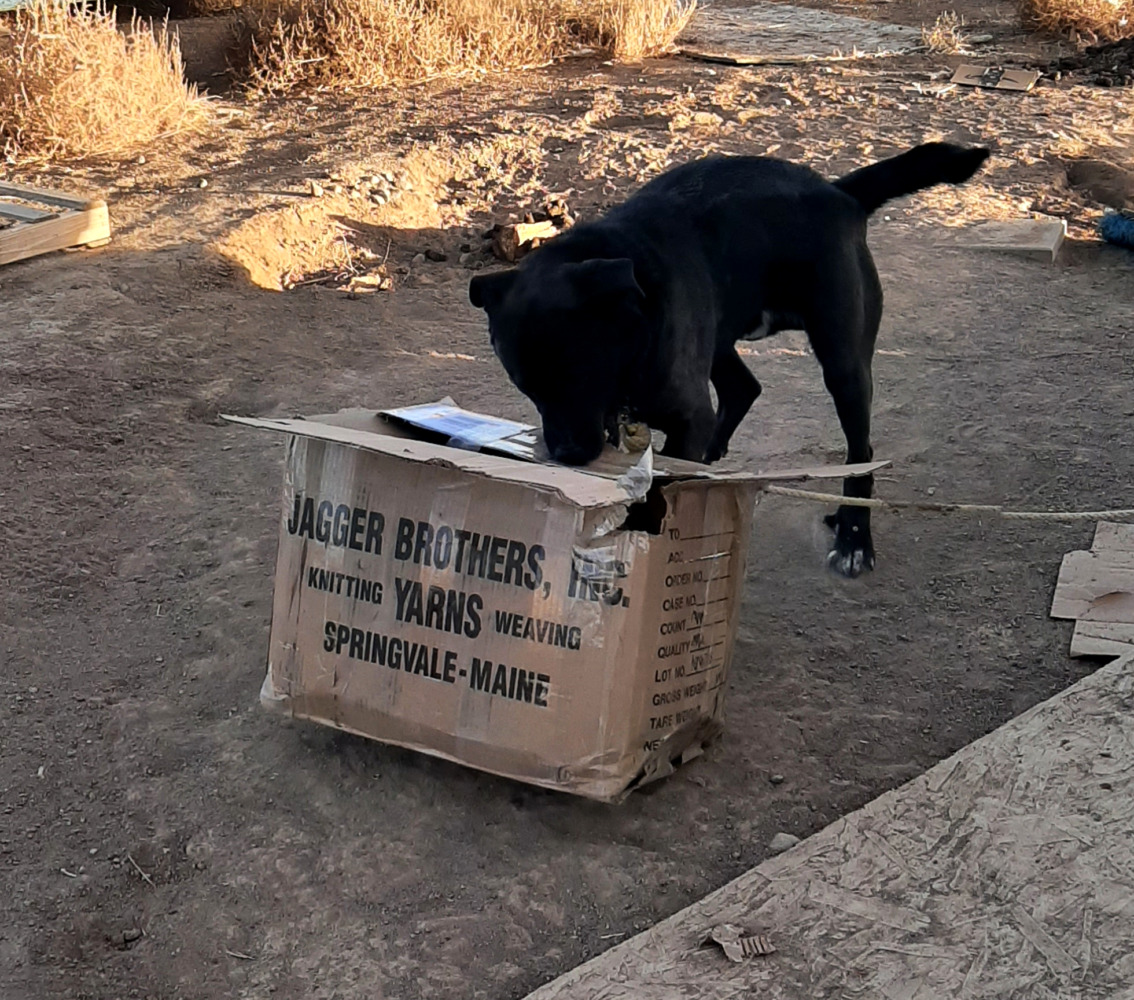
{"x": 85, "y": 226}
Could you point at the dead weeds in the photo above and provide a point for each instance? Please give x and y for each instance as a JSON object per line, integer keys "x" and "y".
{"x": 1100, "y": 19}
{"x": 947, "y": 36}
{"x": 73, "y": 84}
{"x": 376, "y": 43}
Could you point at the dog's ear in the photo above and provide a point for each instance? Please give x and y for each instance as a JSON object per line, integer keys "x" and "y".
{"x": 601, "y": 279}
{"x": 486, "y": 290}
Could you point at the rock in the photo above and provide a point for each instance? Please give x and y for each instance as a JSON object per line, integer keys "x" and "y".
{"x": 204, "y": 183}
{"x": 316, "y": 189}
{"x": 465, "y": 258}
{"x": 436, "y": 256}
{"x": 379, "y": 198}
{"x": 777, "y": 779}
{"x": 419, "y": 259}
{"x": 782, "y": 842}
{"x": 131, "y": 935}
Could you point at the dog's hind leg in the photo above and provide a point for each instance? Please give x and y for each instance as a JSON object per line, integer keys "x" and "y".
{"x": 737, "y": 389}
{"x": 843, "y": 336}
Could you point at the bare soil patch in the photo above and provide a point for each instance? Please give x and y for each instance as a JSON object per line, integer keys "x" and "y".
{"x": 163, "y": 837}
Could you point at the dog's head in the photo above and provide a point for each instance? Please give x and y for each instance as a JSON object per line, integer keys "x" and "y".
{"x": 568, "y": 335}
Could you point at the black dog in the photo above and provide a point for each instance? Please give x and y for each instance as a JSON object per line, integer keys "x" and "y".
{"x": 638, "y": 312}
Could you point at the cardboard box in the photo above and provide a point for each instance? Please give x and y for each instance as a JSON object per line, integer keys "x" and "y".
{"x": 567, "y": 628}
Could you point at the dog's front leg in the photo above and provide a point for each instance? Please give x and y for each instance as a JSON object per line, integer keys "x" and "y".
{"x": 851, "y": 387}
{"x": 689, "y": 429}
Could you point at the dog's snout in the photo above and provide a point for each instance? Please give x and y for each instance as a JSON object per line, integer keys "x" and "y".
{"x": 573, "y": 445}
{"x": 572, "y": 453}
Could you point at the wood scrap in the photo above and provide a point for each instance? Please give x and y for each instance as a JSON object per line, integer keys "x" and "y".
{"x": 1038, "y": 238}
{"x": 512, "y": 241}
{"x": 35, "y": 221}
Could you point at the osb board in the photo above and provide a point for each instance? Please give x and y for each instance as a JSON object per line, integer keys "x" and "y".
{"x": 1005, "y": 871}
{"x": 781, "y": 33}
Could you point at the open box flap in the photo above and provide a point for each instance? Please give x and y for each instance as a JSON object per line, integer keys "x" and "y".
{"x": 599, "y": 484}
{"x": 611, "y": 464}
{"x": 576, "y": 487}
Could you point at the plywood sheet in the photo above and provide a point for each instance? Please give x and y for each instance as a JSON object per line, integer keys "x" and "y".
{"x": 1006, "y": 870}
{"x": 782, "y": 33}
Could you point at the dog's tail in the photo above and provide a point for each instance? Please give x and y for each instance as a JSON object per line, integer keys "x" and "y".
{"x": 922, "y": 167}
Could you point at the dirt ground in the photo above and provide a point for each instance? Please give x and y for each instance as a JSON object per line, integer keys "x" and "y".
{"x": 162, "y": 836}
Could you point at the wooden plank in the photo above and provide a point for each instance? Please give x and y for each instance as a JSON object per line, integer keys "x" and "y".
{"x": 1017, "y": 866}
{"x": 70, "y": 229}
{"x": 1038, "y": 238}
{"x": 44, "y": 196}
{"x": 22, "y": 213}
{"x": 1102, "y": 639}
{"x": 1113, "y": 537}
{"x": 1095, "y": 586}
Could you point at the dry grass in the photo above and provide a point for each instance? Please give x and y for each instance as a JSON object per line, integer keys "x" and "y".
{"x": 73, "y": 85}
{"x": 375, "y": 43}
{"x": 1106, "y": 19}
{"x": 946, "y": 37}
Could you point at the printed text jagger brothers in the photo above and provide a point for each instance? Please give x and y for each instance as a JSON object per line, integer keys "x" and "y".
{"x": 465, "y": 553}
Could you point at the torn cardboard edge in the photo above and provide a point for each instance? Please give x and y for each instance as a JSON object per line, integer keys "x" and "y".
{"x": 1095, "y": 589}
{"x": 608, "y": 480}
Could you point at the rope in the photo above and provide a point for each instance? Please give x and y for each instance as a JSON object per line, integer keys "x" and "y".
{"x": 930, "y": 507}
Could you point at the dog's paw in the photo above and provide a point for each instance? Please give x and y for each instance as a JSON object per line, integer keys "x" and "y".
{"x": 850, "y": 564}
{"x": 853, "y": 551}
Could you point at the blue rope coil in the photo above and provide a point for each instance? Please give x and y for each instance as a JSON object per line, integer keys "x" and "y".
{"x": 1118, "y": 228}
